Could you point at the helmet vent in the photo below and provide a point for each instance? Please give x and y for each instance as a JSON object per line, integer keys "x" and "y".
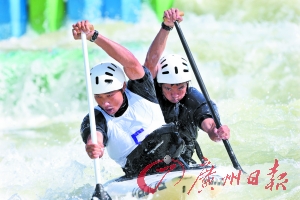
{"x": 164, "y": 66}
{"x": 114, "y": 65}
{"x": 173, "y": 69}
{"x": 106, "y": 77}
{"x": 111, "y": 68}
{"x": 108, "y": 74}
{"x": 162, "y": 61}
{"x": 176, "y": 70}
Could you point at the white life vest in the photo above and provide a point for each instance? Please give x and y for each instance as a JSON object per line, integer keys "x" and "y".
{"x": 124, "y": 133}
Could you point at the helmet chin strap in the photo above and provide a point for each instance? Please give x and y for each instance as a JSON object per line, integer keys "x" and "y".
{"x": 187, "y": 87}
{"x": 123, "y": 106}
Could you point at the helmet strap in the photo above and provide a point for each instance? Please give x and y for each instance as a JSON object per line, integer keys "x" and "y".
{"x": 124, "y": 105}
{"x": 187, "y": 87}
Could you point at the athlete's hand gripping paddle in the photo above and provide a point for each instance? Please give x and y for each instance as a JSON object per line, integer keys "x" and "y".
{"x": 230, "y": 152}
{"x": 99, "y": 192}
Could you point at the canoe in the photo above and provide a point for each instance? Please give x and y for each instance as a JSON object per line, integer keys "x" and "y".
{"x": 174, "y": 185}
{"x": 159, "y": 7}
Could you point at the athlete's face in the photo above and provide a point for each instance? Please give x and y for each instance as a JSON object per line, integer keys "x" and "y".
{"x": 174, "y": 92}
{"x": 111, "y": 101}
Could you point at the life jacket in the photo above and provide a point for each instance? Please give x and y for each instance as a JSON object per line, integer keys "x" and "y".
{"x": 182, "y": 113}
{"x": 161, "y": 143}
{"x": 127, "y": 131}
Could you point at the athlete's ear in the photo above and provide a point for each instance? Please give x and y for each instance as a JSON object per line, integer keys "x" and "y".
{"x": 124, "y": 87}
{"x": 187, "y": 87}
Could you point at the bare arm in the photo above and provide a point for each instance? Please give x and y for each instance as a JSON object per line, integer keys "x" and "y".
{"x": 155, "y": 51}
{"x": 132, "y": 68}
{"x": 159, "y": 43}
{"x": 216, "y": 135}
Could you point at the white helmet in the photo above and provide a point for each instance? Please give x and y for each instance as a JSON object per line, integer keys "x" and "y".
{"x": 106, "y": 77}
{"x": 173, "y": 69}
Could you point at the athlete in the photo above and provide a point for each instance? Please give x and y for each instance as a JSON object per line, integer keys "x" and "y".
{"x": 129, "y": 122}
{"x": 181, "y": 104}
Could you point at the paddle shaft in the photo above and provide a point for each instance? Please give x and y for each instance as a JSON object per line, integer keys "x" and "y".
{"x": 99, "y": 192}
{"x": 230, "y": 152}
{"x": 90, "y": 100}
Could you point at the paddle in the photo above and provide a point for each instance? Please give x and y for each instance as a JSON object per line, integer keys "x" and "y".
{"x": 99, "y": 192}
{"x": 230, "y": 152}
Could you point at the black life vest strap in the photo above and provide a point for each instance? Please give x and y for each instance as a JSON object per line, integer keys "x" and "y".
{"x": 199, "y": 152}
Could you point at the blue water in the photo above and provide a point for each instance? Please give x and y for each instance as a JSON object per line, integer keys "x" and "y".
{"x": 247, "y": 53}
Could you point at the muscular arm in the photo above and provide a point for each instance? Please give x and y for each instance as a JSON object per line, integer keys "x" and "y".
{"x": 132, "y": 68}
{"x": 202, "y": 115}
{"x": 159, "y": 43}
{"x": 155, "y": 51}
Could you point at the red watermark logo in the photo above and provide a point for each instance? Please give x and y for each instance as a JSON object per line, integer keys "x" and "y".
{"x": 206, "y": 176}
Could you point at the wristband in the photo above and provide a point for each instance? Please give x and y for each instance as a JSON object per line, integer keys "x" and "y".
{"x": 95, "y": 35}
{"x": 167, "y": 28}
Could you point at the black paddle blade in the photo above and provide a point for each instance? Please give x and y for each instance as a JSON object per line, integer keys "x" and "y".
{"x": 100, "y": 193}
{"x": 240, "y": 168}
{"x": 205, "y": 93}
{"x": 232, "y": 157}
